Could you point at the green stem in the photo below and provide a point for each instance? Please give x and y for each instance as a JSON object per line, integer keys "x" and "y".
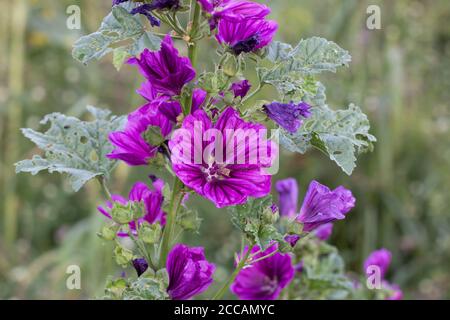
{"x": 105, "y": 188}
{"x": 192, "y": 46}
{"x": 219, "y": 294}
{"x": 177, "y": 195}
{"x": 255, "y": 92}
{"x": 142, "y": 250}
{"x": 263, "y": 257}
{"x": 175, "y": 202}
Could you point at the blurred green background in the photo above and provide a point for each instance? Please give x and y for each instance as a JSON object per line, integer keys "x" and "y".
{"x": 400, "y": 75}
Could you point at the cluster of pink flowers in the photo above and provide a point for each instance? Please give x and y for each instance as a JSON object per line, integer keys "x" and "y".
{"x": 240, "y": 27}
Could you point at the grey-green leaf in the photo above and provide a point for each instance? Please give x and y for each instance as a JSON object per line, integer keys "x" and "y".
{"x": 74, "y": 147}
{"x": 341, "y": 134}
{"x": 291, "y": 70}
{"x": 278, "y": 51}
{"x": 119, "y": 26}
{"x": 315, "y": 55}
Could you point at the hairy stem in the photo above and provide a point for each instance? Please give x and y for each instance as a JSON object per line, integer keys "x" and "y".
{"x": 105, "y": 188}
{"x": 175, "y": 203}
{"x": 254, "y": 93}
{"x": 219, "y": 294}
{"x": 177, "y": 195}
{"x": 192, "y": 46}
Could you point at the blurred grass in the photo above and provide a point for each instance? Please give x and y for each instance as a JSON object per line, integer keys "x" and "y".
{"x": 399, "y": 75}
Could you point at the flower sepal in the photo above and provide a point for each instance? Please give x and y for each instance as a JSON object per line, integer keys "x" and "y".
{"x": 126, "y": 213}
{"x": 150, "y": 233}
{"x": 109, "y": 232}
{"x": 122, "y": 255}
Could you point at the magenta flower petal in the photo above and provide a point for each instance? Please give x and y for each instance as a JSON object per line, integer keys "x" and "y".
{"x": 233, "y": 10}
{"x": 324, "y": 231}
{"x": 189, "y": 272}
{"x": 235, "y": 171}
{"x": 379, "y": 258}
{"x": 288, "y": 196}
{"x": 322, "y": 205}
{"x": 152, "y": 198}
{"x": 130, "y": 145}
{"x": 165, "y": 70}
{"x": 246, "y": 35}
{"x": 265, "y": 279}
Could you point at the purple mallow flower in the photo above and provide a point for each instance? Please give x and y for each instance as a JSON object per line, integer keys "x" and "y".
{"x": 379, "y": 258}
{"x": 322, "y": 205}
{"x": 289, "y": 116}
{"x": 235, "y": 10}
{"x": 292, "y": 239}
{"x": 130, "y": 144}
{"x": 140, "y": 265}
{"x": 265, "y": 279}
{"x": 189, "y": 272}
{"x": 324, "y": 231}
{"x": 246, "y": 35}
{"x": 165, "y": 70}
{"x": 152, "y": 198}
{"x": 240, "y": 88}
{"x": 288, "y": 196}
{"x": 382, "y": 259}
{"x": 224, "y": 162}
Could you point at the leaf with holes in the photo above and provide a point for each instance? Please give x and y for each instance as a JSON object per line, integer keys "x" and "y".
{"x": 119, "y": 29}
{"x": 291, "y": 70}
{"x": 340, "y": 134}
{"x": 75, "y": 147}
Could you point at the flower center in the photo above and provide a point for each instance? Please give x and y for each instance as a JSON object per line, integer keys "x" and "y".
{"x": 214, "y": 171}
{"x": 269, "y": 285}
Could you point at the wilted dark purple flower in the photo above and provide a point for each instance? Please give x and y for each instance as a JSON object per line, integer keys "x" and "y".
{"x": 299, "y": 267}
{"x": 165, "y": 4}
{"x": 240, "y": 88}
{"x": 324, "y": 231}
{"x": 322, "y": 205}
{"x": 189, "y": 272}
{"x": 379, "y": 258}
{"x": 165, "y": 70}
{"x": 146, "y": 10}
{"x": 140, "y": 265}
{"x": 130, "y": 144}
{"x": 246, "y": 35}
{"x": 288, "y": 196}
{"x": 116, "y": 2}
{"x": 274, "y": 208}
{"x": 292, "y": 239}
{"x": 223, "y": 174}
{"x": 289, "y": 116}
{"x": 265, "y": 279}
{"x": 152, "y": 198}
